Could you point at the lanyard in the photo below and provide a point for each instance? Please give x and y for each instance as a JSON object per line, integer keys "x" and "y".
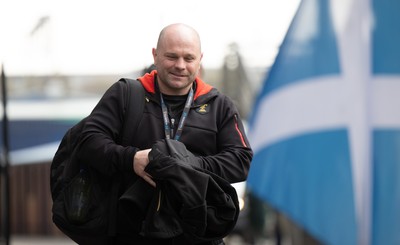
{"x": 169, "y": 131}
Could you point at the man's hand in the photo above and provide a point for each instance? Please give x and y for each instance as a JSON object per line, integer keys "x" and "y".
{"x": 140, "y": 161}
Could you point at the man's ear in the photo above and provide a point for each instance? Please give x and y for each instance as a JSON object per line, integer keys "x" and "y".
{"x": 154, "y": 52}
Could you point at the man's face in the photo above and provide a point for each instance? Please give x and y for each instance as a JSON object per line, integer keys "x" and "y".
{"x": 177, "y": 59}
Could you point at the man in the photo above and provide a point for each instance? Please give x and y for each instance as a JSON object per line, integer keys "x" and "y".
{"x": 180, "y": 106}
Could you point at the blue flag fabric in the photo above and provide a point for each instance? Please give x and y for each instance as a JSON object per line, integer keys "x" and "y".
{"x": 325, "y": 129}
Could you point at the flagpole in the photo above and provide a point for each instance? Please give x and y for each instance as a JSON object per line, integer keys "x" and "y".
{"x": 5, "y": 184}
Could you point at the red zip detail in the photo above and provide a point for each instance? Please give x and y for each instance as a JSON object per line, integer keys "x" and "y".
{"x": 239, "y": 132}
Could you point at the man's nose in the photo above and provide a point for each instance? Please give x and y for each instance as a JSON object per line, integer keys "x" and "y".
{"x": 180, "y": 63}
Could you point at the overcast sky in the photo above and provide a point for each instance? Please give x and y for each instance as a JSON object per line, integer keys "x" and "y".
{"x": 92, "y": 37}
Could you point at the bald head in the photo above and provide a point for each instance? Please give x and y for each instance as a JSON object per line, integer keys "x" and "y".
{"x": 179, "y": 30}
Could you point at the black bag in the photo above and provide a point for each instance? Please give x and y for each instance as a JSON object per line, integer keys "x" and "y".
{"x": 67, "y": 174}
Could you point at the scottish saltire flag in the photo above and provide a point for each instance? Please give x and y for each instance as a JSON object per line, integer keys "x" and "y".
{"x": 325, "y": 128}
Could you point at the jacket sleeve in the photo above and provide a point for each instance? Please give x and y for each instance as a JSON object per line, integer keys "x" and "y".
{"x": 98, "y": 145}
{"x": 232, "y": 162}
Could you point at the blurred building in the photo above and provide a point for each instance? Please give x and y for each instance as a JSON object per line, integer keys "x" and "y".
{"x": 235, "y": 82}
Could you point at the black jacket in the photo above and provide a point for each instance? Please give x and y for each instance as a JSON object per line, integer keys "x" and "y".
{"x": 213, "y": 131}
{"x": 188, "y": 201}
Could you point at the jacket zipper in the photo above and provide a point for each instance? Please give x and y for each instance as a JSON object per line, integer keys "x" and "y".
{"x": 159, "y": 201}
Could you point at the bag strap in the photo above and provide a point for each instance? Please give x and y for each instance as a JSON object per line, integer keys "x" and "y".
{"x": 134, "y": 108}
{"x": 134, "y": 105}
